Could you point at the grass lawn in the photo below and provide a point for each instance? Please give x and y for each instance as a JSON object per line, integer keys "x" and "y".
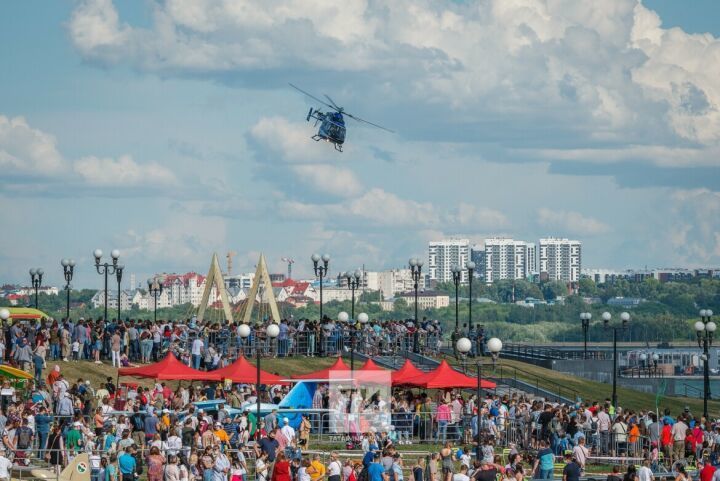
{"x": 590, "y": 390}
{"x": 597, "y": 391}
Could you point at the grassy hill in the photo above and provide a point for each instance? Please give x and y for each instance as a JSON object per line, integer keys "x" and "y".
{"x": 594, "y": 391}
{"x": 590, "y": 390}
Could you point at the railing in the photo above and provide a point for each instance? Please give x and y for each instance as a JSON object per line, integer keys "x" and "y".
{"x": 642, "y": 372}
{"x": 699, "y": 393}
{"x": 530, "y": 351}
{"x": 540, "y": 386}
{"x": 309, "y": 344}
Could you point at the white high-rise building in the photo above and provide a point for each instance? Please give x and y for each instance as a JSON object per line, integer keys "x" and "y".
{"x": 508, "y": 259}
{"x": 444, "y": 254}
{"x": 560, "y": 259}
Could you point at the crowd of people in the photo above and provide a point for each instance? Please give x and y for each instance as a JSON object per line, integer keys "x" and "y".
{"x": 160, "y": 431}
{"x": 30, "y": 345}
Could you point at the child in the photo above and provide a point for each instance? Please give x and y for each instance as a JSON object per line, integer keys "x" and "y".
{"x": 76, "y": 351}
{"x": 464, "y": 456}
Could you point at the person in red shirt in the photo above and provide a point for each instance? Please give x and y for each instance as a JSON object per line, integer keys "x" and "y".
{"x": 666, "y": 440}
{"x": 281, "y": 470}
{"x": 707, "y": 472}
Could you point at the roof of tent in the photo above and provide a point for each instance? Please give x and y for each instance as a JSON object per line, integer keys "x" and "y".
{"x": 23, "y": 313}
{"x": 445, "y": 377}
{"x": 14, "y": 373}
{"x": 339, "y": 365}
{"x": 407, "y": 375}
{"x": 370, "y": 365}
{"x": 169, "y": 369}
{"x": 242, "y": 371}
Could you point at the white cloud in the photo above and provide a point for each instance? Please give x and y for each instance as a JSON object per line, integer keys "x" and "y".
{"x": 122, "y": 172}
{"x": 523, "y": 63}
{"x": 330, "y": 179}
{"x": 571, "y": 222}
{"x": 31, "y": 152}
{"x": 694, "y": 234}
{"x": 26, "y": 150}
{"x": 478, "y": 217}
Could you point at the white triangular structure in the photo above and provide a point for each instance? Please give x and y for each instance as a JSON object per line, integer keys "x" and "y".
{"x": 215, "y": 277}
{"x": 261, "y": 275}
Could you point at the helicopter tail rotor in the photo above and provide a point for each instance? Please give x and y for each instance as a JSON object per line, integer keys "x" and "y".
{"x": 309, "y": 115}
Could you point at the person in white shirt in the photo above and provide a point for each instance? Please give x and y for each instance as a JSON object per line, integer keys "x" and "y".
{"x": 288, "y": 431}
{"x": 198, "y": 346}
{"x": 5, "y": 465}
{"x": 462, "y": 475}
{"x": 645, "y": 473}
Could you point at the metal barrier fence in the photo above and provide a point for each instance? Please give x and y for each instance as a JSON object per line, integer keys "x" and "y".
{"x": 315, "y": 343}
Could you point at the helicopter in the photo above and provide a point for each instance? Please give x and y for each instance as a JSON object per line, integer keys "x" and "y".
{"x": 332, "y": 124}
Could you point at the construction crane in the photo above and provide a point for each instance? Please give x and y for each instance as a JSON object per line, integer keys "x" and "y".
{"x": 290, "y": 262}
{"x": 229, "y": 258}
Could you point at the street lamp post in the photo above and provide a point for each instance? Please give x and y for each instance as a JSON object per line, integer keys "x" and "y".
{"x": 585, "y": 319}
{"x": 68, "y": 266}
{"x": 471, "y": 271}
{"x": 415, "y": 270}
{"x": 655, "y": 359}
{"x": 4, "y": 314}
{"x": 155, "y": 288}
{"x": 644, "y": 364}
{"x": 353, "y": 282}
{"x": 464, "y": 345}
{"x": 455, "y": 269}
{"x": 624, "y": 317}
{"x": 705, "y": 329}
{"x": 321, "y": 271}
{"x": 118, "y": 276}
{"x": 105, "y": 269}
{"x": 272, "y": 331}
{"x": 36, "y": 275}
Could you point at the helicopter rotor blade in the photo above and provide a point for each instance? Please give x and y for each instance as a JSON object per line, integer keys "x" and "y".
{"x": 358, "y": 119}
{"x": 313, "y": 97}
{"x": 339, "y": 109}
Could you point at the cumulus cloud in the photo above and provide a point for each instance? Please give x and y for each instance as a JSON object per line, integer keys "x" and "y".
{"x": 571, "y": 222}
{"x": 695, "y": 233}
{"x": 522, "y": 63}
{"x": 287, "y": 156}
{"x": 122, "y": 172}
{"x": 33, "y": 153}
{"x": 25, "y": 150}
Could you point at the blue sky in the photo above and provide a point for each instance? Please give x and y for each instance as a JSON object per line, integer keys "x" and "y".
{"x": 167, "y": 130}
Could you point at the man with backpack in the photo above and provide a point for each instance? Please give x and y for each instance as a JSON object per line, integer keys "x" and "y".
{"x": 24, "y": 436}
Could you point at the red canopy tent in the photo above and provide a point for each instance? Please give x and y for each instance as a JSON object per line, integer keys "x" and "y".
{"x": 339, "y": 365}
{"x": 169, "y": 369}
{"x": 370, "y": 365}
{"x": 407, "y": 375}
{"x": 445, "y": 377}
{"x": 241, "y": 371}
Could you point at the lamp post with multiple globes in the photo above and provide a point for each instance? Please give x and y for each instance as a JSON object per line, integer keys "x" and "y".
{"x": 585, "y": 319}
{"x": 36, "y": 275}
{"x": 155, "y": 288}
{"x": 415, "y": 270}
{"x": 321, "y": 271}
{"x": 705, "y": 329}
{"x": 104, "y": 269}
{"x": 625, "y": 318}
{"x": 68, "y": 266}
{"x": 464, "y": 345}
{"x": 272, "y": 331}
{"x": 353, "y": 282}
